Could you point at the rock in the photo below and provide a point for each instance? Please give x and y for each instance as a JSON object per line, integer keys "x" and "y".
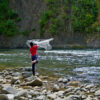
{"x": 65, "y": 80}
{"x": 36, "y": 82}
{"x": 42, "y": 97}
{"x": 68, "y": 90}
{"x": 3, "y": 97}
{"x": 10, "y": 96}
{"x": 16, "y": 74}
{"x": 21, "y": 93}
{"x": 74, "y": 97}
{"x": 6, "y": 97}
{"x": 14, "y": 79}
{"x": 60, "y": 80}
{"x": 60, "y": 93}
{"x": 97, "y": 93}
{"x": 5, "y": 72}
{"x": 29, "y": 78}
{"x": 52, "y": 96}
{"x": 9, "y": 90}
{"x": 26, "y": 74}
{"x": 74, "y": 83}
{"x": 28, "y": 69}
{"x": 89, "y": 86}
{"x": 55, "y": 88}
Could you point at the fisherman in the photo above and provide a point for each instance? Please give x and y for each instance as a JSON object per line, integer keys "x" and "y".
{"x": 34, "y": 56}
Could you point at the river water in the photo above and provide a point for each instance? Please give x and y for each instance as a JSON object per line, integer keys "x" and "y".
{"x": 82, "y": 65}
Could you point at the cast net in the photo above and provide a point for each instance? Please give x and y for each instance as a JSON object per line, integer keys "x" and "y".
{"x": 42, "y": 43}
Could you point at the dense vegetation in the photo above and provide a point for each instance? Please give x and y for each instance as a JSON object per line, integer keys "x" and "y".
{"x": 82, "y": 17}
{"x": 8, "y": 19}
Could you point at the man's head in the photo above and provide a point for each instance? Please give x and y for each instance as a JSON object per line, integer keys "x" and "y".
{"x": 31, "y": 44}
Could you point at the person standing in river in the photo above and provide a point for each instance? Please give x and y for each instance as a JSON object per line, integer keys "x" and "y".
{"x": 34, "y": 56}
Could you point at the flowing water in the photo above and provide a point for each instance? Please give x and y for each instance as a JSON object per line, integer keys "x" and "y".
{"x": 82, "y": 65}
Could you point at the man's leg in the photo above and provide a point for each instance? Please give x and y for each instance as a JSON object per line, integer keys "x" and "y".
{"x": 33, "y": 69}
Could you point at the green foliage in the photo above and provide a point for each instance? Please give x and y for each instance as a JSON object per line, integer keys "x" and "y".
{"x": 8, "y": 17}
{"x": 25, "y": 32}
{"x": 84, "y": 14}
{"x": 52, "y": 20}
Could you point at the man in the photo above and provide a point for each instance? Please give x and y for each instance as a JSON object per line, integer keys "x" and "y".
{"x": 34, "y": 56}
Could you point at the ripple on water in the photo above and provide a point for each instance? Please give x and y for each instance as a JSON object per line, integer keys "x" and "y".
{"x": 90, "y": 74}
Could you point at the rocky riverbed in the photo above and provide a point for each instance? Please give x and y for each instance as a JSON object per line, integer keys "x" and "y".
{"x": 19, "y": 84}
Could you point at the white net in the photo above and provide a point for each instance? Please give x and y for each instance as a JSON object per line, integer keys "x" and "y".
{"x": 42, "y": 43}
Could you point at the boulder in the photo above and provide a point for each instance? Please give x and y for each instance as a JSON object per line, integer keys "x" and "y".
{"x": 36, "y": 82}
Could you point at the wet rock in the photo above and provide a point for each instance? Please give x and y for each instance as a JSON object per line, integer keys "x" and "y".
{"x": 9, "y": 90}
{"x": 55, "y": 88}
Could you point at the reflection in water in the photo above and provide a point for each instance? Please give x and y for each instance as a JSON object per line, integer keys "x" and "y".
{"x": 83, "y": 65}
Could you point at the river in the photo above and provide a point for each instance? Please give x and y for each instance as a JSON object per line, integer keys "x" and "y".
{"x": 82, "y": 65}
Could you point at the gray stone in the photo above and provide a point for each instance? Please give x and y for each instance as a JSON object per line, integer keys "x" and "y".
{"x": 9, "y": 90}
{"x": 26, "y": 74}
{"x": 42, "y": 97}
{"x": 60, "y": 93}
{"x": 65, "y": 80}
{"x": 89, "y": 86}
{"x": 28, "y": 69}
{"x": 60, "y": 80}
{"x": 3, "y": 97}
{"x": 56, "y": 88}
{"x": 14, "y": 79}
{"x": 74, "y": 97}
{"x": 21, "y": 93}
{"x": 16, "y": 74}
{"x": 97, "y": 93}
{"x": 10, "y": 96}
{"x": 52, "y": 96}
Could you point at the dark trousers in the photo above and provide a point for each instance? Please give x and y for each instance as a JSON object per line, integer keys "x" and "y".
{"x": 35, "y": 57}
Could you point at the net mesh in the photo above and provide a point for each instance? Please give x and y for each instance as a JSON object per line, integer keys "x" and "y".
{"x": 42, "y": 43}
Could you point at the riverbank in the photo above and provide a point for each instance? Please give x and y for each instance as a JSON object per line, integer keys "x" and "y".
{"x": 19, "y": 84}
